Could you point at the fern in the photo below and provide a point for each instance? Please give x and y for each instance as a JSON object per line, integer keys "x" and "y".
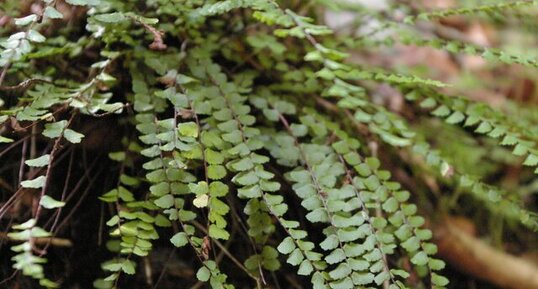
{"x": 485, "y": 120}
{"x": 246, "y": 123}
{"x": 472, "y": 10}
{"x": 495, "y": 198}
{"x": 490, "y": 54}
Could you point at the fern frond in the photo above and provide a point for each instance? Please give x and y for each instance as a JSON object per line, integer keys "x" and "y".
{"x": 265, "y": 11}
{"x": 495, "y": 199}
{"x": 452, "y": 46}
{"x": 485, "y": 120}
{"x": 25, "y": 260}
{"x": 468, "y": 11}
{"x": 393, "y": 202}
{"x": 170, "y": 147}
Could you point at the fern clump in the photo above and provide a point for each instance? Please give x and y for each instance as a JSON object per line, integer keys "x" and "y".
{"x": 245, "y": 137}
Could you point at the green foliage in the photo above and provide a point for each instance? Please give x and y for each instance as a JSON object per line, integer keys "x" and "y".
{"x": 484, "y": 120}
{"x": 497, "y": 7}
{"x": 237, "y": 111}
{"x": 456, "y": 47}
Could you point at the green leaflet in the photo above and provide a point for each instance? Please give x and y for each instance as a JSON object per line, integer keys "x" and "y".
{"x": 49, "y": 203}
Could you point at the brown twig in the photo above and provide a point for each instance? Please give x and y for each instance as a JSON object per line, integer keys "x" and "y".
{"x": 158, "y": 42}
{"x": 4, "y": 72}
{"x": 23, "y": 85}
{"x": 226, "y": 252}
